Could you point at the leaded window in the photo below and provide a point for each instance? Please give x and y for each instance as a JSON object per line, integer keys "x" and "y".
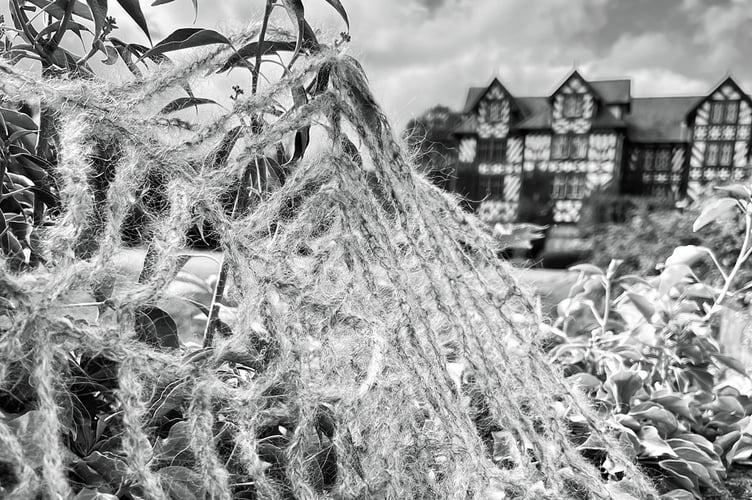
{"x": 732, "y": 111}
{"x": 579, "y": 147}
{"x": 492, "y": 150}
{"x": 724, "y": 112}
{"x": 569, "y": 147}
{"x": 495, "y": 110}
{"x": 649, "y": 171}
{"x": 568, "y": 186}
{"x": 719, "y": 154}
{"x": 493, "y": 187}
{"x": 574, "y": 105}
{"x": 663, "y": 159}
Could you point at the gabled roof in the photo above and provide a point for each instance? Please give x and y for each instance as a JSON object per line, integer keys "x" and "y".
{"x": 473, "y": 96}
{"x": 726, "y": 79}
{"x": 659, "y": 119}
{"x": 468, "y": 126}
{"x": 476, "y": 94}
{"x": 614, "y": 91}
{"x": 537, "y": 111}
{"x": 606, "y": 120}
{"x": 650, "y": 119}
{"x": 576, "y": 74}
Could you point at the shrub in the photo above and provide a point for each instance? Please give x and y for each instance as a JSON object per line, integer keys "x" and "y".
{"x": 643, "y": 232}
{"x": 646, "y": 351}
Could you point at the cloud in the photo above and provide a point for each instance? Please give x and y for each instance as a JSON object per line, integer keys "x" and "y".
{"x": 418, "y": 53}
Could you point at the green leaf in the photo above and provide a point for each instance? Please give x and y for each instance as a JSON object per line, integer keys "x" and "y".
{"x": 698, "y": 440}
{"x": 99, "y": 12}
{"x": 724, "y": 442}
{"x": 731, "y": 362}
{"x": 688, "y": 255}
{"x": 340, "y": 9}
{"x": 623, "y": 385}
{"x": 672, "y": 276}
{"x": 676, "y": 403}
{"x": 652, "y": 445}
{"x": 741, "y": 451}
{"x": 661, "y": 418}
{"x": 181, "y": 482}
{"x": 21, "y": 120}
{"x": 154, "y": 326}
{"x": 25, "y": 428}
{"x": 182, "y": 103}
{"x": 163, "y": 2}
{"x": 252, "y": 49}
{"x": 738, "y": 191}
{"x": 296, "y": 11}
{"x": 642, "y": 304}
{"x": 586, "y": 381}
{"x": 587, "y": 269}
{"x": 109, "y": 466}
{"x": 678, "y": 495}
{"x": 185, "y": 38}
{"x": 175, "y": 449}
{"x": 173, "y": 396}
{"x": 57, "y": 9}
{"x": 133, "y": 9}
{"x": 713, "y": 211}
{"x": 681, "y": 473}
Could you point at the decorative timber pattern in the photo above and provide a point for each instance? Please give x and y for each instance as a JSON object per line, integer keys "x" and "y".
{"x": 538, "y": 159}
{"x": 573, "y": 107}
{"x": 720, "y": 137}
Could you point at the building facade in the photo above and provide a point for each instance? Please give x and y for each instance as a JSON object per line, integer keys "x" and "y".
{"x": 536, "y": 159}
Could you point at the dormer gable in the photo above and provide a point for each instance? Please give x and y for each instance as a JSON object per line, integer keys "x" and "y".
{"x": 490, "y": 110}
{"x": 574, "y": 99}
{"x": 492, "y": 92}
{"x": 726, "y": 104}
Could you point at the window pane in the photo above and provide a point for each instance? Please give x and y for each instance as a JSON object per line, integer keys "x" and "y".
{"x": 499, "y": 146}
{"x": 494, "y": 111}
{"x": 732, "y": 111}
{"x": 573, "y": 105}
{"x": 482, "y": 150}
{"x": 559, "y": 187}
{"x": 711, "y": 158}
{"x": 573, "y": 187}
{"x": 579, "y": 104}
{"x": 727, "y": 153}
{"x": 647, "y": 159}
{"x": 568, "y": 106}
{"x": 559, "y": 147}
{"x": 716, "y": 112}
{"x": 579, "y": 146}
{"x": 663, "y": 159}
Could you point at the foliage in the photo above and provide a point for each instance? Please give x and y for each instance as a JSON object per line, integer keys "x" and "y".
{"x": 22, "y": 195}
{"x": 646, "y": 351}
{"x": 643, "y": 232}
{"x": 93, "y": 416}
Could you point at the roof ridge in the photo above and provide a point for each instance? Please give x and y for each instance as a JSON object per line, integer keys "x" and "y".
{"x": 598, "y": 80}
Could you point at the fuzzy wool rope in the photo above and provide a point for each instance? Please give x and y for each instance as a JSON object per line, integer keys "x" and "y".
{"x": 380, "y": 349}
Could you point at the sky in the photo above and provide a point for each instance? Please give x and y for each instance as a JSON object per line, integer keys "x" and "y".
{"x": 419, "y": 53}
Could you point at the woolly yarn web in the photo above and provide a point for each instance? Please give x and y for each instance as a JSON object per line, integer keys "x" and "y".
{"x": 362, "y": 292}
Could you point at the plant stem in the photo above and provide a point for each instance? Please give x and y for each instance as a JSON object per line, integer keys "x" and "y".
{"x": 607, "y": 303}
{"x": 242, "y": 198}
{"x": 262, "y": 36}
{"x": 743, "y": 255}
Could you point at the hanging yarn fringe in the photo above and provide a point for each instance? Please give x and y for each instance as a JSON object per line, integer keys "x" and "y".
{"x": 380, "y": 350}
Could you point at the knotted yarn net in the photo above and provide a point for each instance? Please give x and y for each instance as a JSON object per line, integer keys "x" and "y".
{"x": 380, "y": 348}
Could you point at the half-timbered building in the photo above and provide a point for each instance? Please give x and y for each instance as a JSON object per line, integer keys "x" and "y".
{"x": 537, "y": 159}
